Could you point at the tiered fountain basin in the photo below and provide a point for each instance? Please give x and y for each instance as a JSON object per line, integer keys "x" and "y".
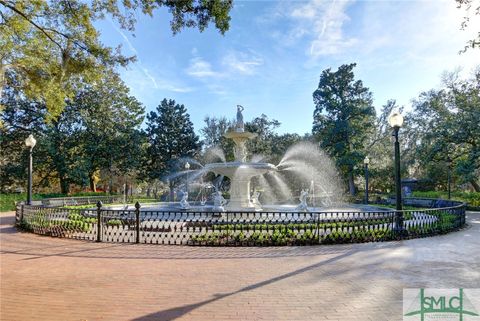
{"x": 240, "y": 175}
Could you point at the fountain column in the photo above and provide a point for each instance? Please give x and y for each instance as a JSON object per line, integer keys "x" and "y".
{"x": 242, "y": 174}
{"x": 240, "y": 171}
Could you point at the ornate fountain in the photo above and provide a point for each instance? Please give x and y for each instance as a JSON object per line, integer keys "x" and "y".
{"x": 240, "y": 172}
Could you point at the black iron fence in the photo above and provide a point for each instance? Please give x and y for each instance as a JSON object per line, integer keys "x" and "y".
{"x": 83, "y": 200}
{"x": 238, "y": 228}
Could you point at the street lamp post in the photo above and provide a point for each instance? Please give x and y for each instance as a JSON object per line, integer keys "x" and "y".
{"x": 30, "y": 142}
{"x": 449, "y": 177}
{"x": 396, "y": 121}
{"x": 187, "y": 168}
{"x": 366, "y": 161}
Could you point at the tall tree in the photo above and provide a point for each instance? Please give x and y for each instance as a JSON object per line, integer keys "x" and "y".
{"x": 213, "y": 139}
{"x": 380, "y": 149}
{"x": 52, "y": 45}
{"x": 110, "y": 122}
{"x": 98, "y": 129}
{"x": 343, "y": 119}
{"x": 170, "y": 137}
{"x": 20, "y": 118}
{"x": 264, "y": 127}
{"x": 446, "y": 124}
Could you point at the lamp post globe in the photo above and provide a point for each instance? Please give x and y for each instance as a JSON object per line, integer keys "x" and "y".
{"x": 395, "y": 119}
{"x": 30, "y": 142}
{"x": 366, "y": 161}
{"x": 396, "y": 122}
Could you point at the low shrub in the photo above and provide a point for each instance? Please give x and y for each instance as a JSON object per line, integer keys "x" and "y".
{"x": 290, "y": 236}
{"x": 114, "y": 222}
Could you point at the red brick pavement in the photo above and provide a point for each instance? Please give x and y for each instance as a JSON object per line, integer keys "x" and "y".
{"x": 45, "y": 278}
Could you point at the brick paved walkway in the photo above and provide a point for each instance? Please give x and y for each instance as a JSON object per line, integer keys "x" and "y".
{"x": 51, "y": 279}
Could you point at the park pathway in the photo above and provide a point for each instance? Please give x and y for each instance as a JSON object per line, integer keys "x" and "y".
{"x": 45, "y": 278}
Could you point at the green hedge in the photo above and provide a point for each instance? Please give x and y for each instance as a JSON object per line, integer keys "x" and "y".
{"x": 39, "y": 223}
{"x": 290, "y": 237}
{"x": 471, "y": 198}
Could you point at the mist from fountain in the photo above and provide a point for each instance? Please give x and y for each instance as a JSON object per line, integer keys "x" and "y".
{"x": 214, "y": 154}
{"x": 308, "y": 163}
{"x": 304, "y": 166}
{"x": 282, "y": 192}
{"x": 304, "y": 169}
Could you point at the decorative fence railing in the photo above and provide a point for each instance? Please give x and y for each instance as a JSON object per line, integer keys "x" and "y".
{"x": 82, "y": 200}
{"x": 237, "y": 228}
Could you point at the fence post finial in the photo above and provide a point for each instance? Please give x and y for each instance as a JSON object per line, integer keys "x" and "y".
{"x": 99, "y": 221}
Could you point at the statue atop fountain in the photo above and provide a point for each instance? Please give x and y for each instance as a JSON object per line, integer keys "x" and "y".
{"x": 239, "y": 125}
{"x": 303, "y": 206}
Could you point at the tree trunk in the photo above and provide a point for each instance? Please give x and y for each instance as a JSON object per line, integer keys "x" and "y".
{"x": 475, "y": 185}
{"x": 93, "y": 186}
{"x": 351, "y": 183}
{"x": 64, "y": 185}
{"x": 148, "y": 191}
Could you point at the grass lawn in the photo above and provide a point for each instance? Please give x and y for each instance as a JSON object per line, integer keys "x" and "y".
{"x": 7, "y": 201}
{"x": 472, "y": 198}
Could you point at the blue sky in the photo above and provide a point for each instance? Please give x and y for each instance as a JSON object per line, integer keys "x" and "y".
{"x": 271, "y": 58}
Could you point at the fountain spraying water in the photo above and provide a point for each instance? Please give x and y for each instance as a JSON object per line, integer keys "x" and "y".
{"x": 304, "y": 167}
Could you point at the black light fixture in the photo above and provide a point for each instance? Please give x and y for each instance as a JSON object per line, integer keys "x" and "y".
{"x": 30, "y": 142}
{"x": 396, "y": 121}
{"x": 366, "y": 161}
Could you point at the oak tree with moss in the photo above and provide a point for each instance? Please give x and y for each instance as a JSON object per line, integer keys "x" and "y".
{"x": 53, "y": 46}
{"x": 343, "y": 119}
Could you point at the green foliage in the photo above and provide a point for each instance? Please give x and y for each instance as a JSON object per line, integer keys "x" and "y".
{"x": 294, "y": 233}
{"x": 379, "y": 151}
{"x": 343, "y": 119}
{"x": 53, "y": 46}
{"x": 42, "y": 223}
{"x": 265, "y": 130}
{"x": 170, "y": 137}
{"x": 110, "y": 137}
{"x": 444, "y": 131}
{"x": 97, "y": 129}
{"x": 213, "y": 137}
{"x": 7, "y": 201}
{"x": 469, "y": 7}
{"x": 471, "y": 198}
{"x": 114, "y": 222}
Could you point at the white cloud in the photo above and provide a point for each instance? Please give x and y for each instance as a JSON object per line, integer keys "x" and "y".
{"x": 217, "y": 78}
{"x": 242, "y": 63}
{"x": 427, "y": 34}
{"x": 320, "y": 22}
{"x": 324, "y": 22}
{"x": 201, "y": 69}
{"x": 234, "y": 63}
